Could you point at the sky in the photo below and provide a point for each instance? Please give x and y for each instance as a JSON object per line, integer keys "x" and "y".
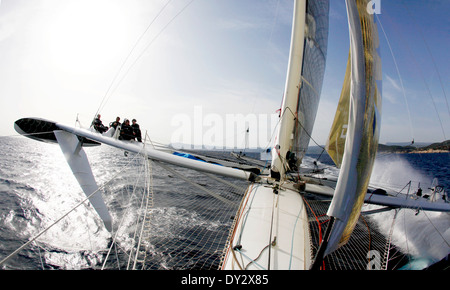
{"x": 190, "y": 70}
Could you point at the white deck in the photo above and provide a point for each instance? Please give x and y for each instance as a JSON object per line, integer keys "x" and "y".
{"x": 270, "y": 223}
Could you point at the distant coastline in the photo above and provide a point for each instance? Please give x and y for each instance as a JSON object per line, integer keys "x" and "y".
{"x": 443, "y": 147}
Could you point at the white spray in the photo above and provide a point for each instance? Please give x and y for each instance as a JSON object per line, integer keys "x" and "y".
{"x": 424, "y": 235}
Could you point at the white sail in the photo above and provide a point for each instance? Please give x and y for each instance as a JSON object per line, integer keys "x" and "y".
{"x": 303, "y": 84}
{"x": 288, "y": 115}
{"x": 336, "y": 140}
{"x": 272, "y": 227}
{"x": 363, "y": 124}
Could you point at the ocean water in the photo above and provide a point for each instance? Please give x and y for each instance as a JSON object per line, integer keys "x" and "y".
{"x": 37, "y": 187}
{"x": 424, "y": 236}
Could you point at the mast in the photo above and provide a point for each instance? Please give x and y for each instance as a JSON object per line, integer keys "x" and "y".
{"x": 288, "y": 114}
{"x": 306, "y": 68}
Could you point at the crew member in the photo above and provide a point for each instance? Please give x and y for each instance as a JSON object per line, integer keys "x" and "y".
{"x": 115, "y": 123}
{"x": 98, "y": 125}
{"x": 136, "y": 130}
{"x": 126, "y": 132}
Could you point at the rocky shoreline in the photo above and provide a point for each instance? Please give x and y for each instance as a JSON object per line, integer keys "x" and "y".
{"x": 443, "y": 147}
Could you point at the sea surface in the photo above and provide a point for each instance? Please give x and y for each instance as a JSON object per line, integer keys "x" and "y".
{"x": 37, "y": 187}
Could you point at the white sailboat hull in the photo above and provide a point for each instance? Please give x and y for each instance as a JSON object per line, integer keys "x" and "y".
{"x": 271, "y": 232}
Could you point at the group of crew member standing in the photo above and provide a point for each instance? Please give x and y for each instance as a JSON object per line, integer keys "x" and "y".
{"x": 127, "y": 131}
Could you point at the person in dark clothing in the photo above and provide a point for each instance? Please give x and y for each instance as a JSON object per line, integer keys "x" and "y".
{"x": 115, "y": 123}
{"x": 136, "y": 130}
{"x": 98, "y": 125}
{"x": 126, "y": 133}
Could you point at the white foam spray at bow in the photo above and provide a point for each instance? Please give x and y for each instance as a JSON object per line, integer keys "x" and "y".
{"x": 424, "y": 235}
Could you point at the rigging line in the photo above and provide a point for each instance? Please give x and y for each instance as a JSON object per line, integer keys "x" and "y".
{"x": 235, "y": 225}
{"x": 406, "y": 232}
{"x": 274, "y": 205}
{"x": 399, "y": 75}
{"x": 40, "y": 254}
{"x": 368, "y": 232}
{"x": 150, "y": 44}
{"x": 146, "y": 203}
{"x": 227, "y": 201}
{"x": 309, "y": 135}
{"x": 437, "y": 230}
{"x": 291, "y": 255}
{"x": 388, "y": 242}
{"x": 45, "y": 230}
{"x": 304, "y": 129}
{"x": 104, "y": 100}
{"x": 256, "y": 259}
{"x": 275, "y": 20}
{"x": 268, "y": 43}
{"x": 426, "y": 84}
{"x": 131, "y": 197}
{"x": 58, "y": 220}
{"x": 252, "y": 261}
{"x": 431, "y": 56}
{"x": 272, "y": 135}
{"x": 137, "y": 220}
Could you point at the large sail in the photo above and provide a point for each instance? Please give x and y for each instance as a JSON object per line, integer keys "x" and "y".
{"x": 336, "y": 140}
{"x": 303, "y": 84}
{"x": 363, "y": 123}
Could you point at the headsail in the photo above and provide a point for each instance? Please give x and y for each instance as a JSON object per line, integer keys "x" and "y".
{"x": 336, "y": 141}
{"x": 303, "y": 84}
{"x": 363, "y": 123}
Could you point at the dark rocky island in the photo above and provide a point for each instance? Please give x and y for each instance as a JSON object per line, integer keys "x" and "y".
{"x": 442, "y": 147}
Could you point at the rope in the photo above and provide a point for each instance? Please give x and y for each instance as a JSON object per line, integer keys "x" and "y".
{"x": 242, "y": 206}
{"x": 150, "y": 44}
{"x": 293, "y": 235}
{"x": 136, "y": 229}
{"x": 59, "y": 219}
{"x": 104, "y": 100}
{"x": 307, "y": 133}
{"x": 446, "y": 242}
{"x": 251, "y": 260}
{"x": 431, "y": 55}
{"x": 45, "y": 230}
{"x": 400, "y": 77}
{"x": 384, "y": 264}
{"x": 319, "y": 224}
{"x": 425, "y": 83}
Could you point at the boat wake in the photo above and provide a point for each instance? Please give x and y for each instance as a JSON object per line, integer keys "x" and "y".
{"x": 423, "y": 235}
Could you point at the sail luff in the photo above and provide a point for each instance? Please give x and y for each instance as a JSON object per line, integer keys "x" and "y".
{"x": 288, "y": 114}
{"x": 363, "y": 124}
{"x": 304, "y": 80}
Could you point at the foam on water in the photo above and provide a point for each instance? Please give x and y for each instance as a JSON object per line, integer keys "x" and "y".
{"x": 41, "y": 188}
{"x": 424, "y": 235}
